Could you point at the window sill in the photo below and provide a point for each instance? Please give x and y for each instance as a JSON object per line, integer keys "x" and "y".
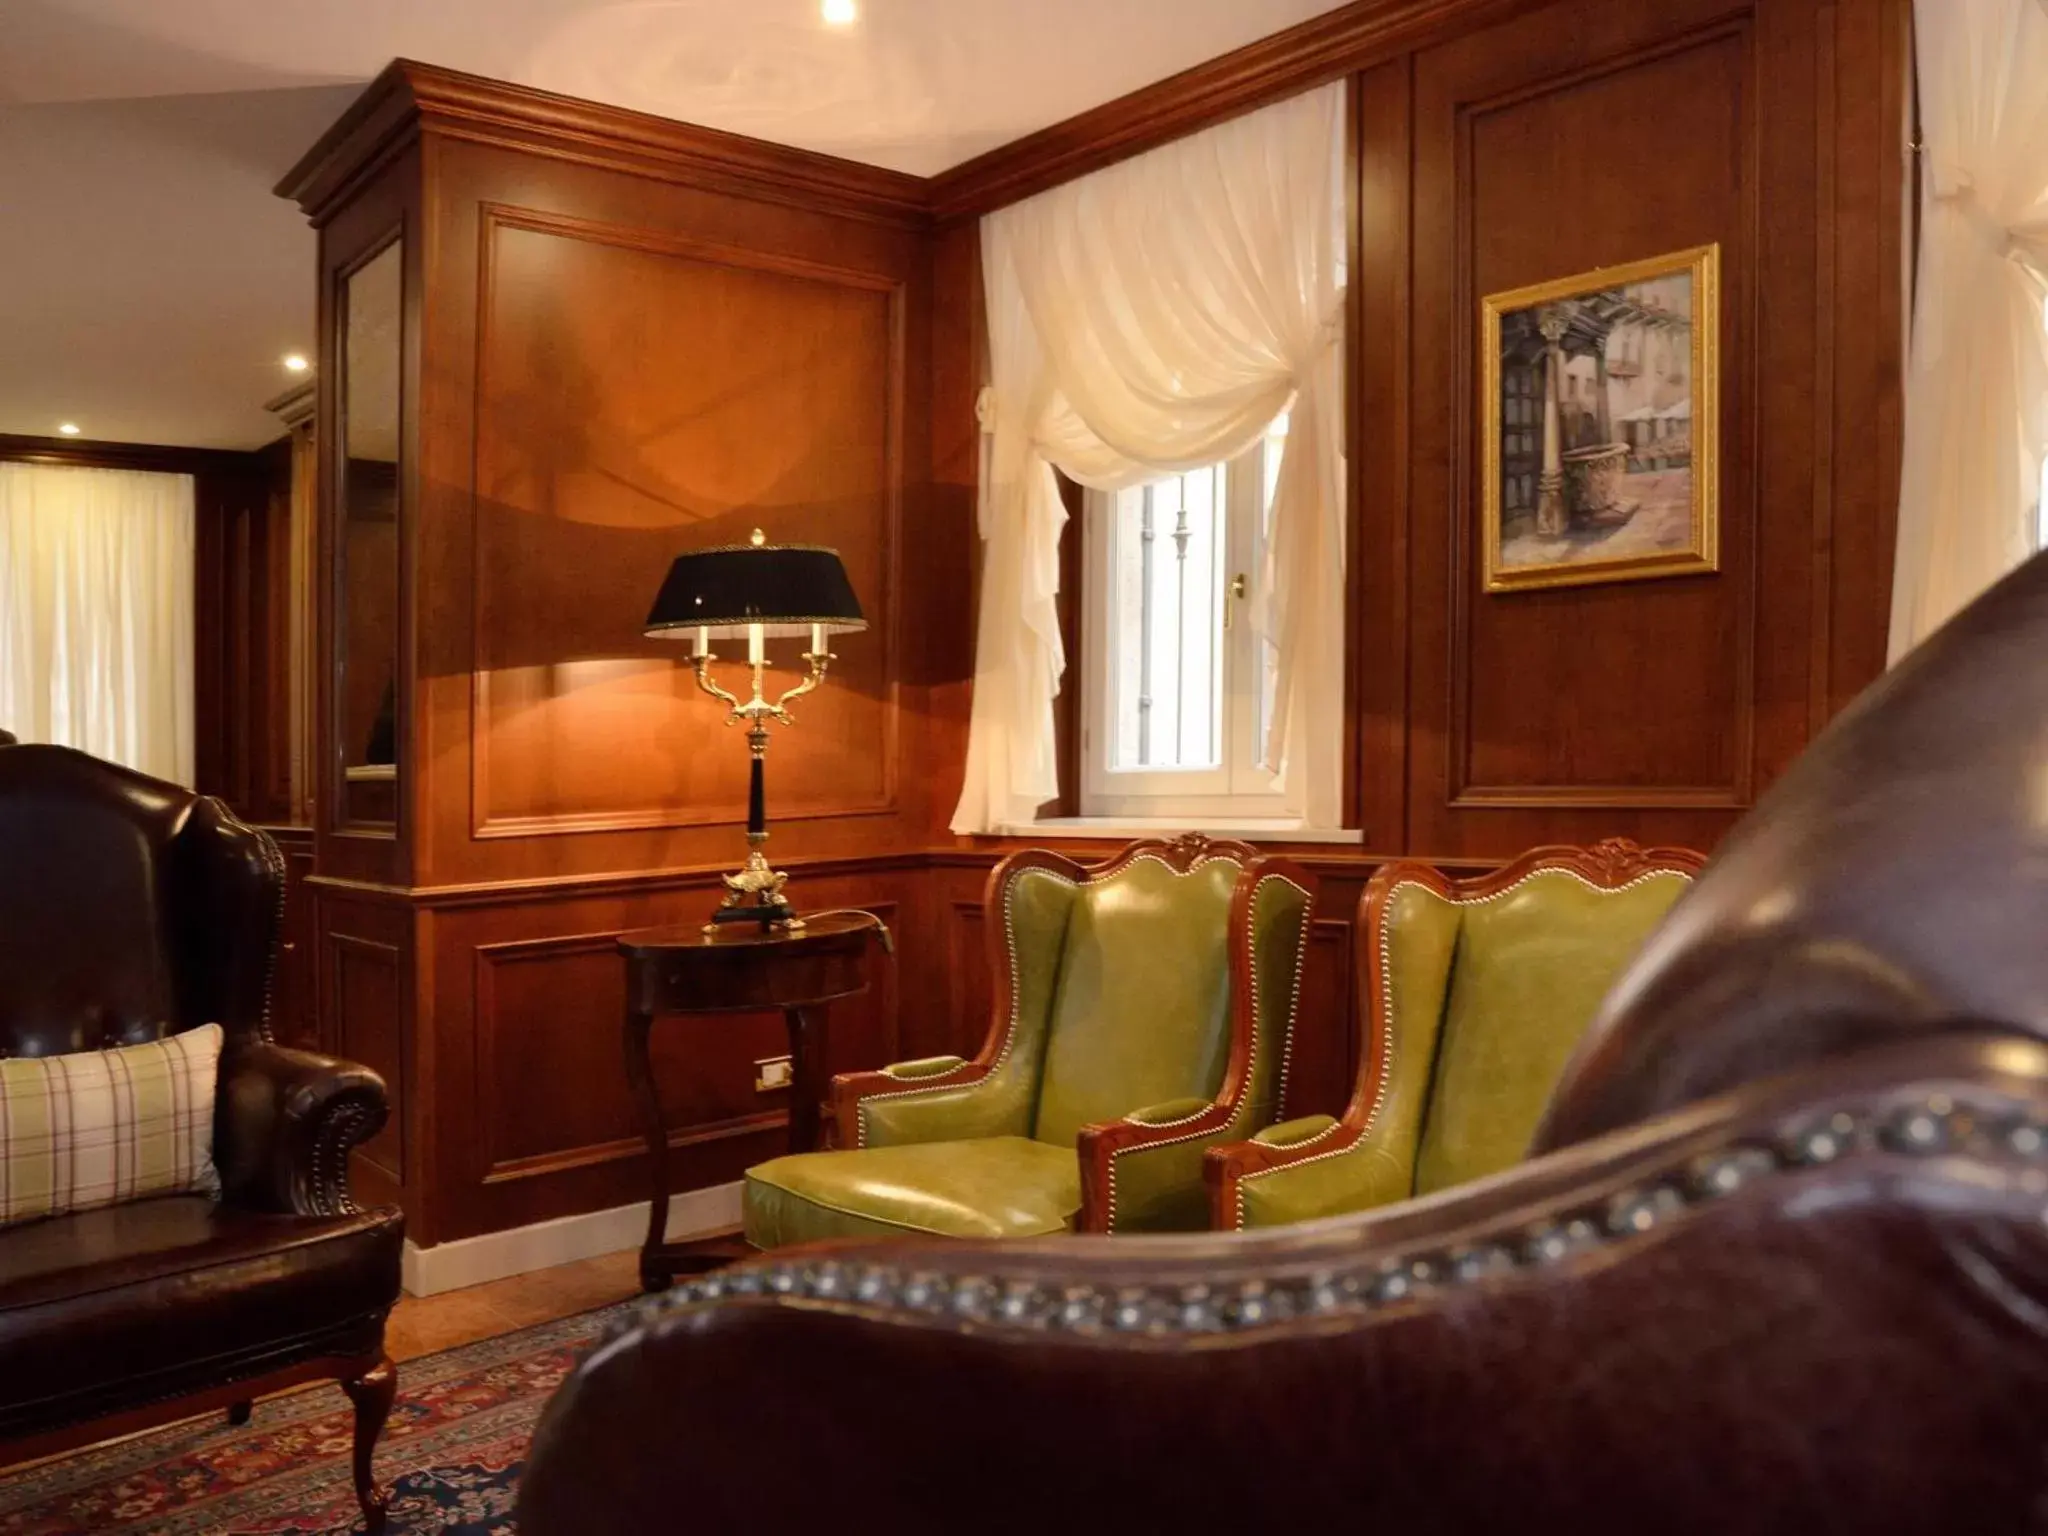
{"x": 1251, "y": 829}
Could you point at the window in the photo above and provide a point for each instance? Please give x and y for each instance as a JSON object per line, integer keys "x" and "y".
{"x": 96, "y": 625}
{"x": 1178, "y": 690}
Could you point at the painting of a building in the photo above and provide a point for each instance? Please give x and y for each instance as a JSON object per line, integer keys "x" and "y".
{"x": 1594, "y": 390}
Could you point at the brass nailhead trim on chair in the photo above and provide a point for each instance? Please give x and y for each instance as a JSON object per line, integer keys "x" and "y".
{"x": 944, "y": 1080}
{"x": 1251, "y": 1064}
{"x": 1995, "y": 1128}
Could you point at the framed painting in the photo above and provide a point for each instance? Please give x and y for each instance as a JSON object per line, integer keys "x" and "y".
{"x": 1601, "y": 438}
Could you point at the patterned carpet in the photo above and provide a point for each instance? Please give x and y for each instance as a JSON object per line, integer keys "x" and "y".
{"x": 452, "y": 1455}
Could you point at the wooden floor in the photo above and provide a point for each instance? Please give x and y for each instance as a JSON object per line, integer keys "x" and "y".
{"x": 421, "y": 1325}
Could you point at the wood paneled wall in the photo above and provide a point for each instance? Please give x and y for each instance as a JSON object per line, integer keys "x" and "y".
{"x": 1496, "y": 146}
{"x": 626, "y": 337}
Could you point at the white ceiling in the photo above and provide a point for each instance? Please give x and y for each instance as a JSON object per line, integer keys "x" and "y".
{"x": 149, "y": 282}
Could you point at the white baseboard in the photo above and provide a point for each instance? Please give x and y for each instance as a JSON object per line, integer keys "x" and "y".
{"x": 496, "y": 1255}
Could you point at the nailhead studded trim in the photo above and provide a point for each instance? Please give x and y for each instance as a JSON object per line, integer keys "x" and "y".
{"x": 1933, "y": 1126}
{"x": 946, "y": 1080}
{"x": 1251, "y": 1065}
{"x": 274, "y": 866}
{"x": 1386, "y": 1019}
{"x": 337, "y": 1135}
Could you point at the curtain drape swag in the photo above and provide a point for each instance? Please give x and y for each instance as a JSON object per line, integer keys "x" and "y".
{"x": 1147, "y": 320}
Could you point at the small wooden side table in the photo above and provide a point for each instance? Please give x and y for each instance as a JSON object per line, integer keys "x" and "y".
{"x": 738, "y": 968}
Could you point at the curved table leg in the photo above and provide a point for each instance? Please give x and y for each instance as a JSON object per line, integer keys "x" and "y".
{"x": 655, "y": 1275}
{"x": 807, "y": 1075}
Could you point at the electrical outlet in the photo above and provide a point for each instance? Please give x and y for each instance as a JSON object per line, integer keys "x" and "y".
{"x": 772, "y": 1074}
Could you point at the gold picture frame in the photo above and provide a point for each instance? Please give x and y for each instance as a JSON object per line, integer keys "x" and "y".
{"x": 1601, "y": 436}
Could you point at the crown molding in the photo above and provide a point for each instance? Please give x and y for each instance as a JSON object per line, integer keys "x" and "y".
{"x": 294, "y": 405}
{"x": 410, "y": 99}
{"x": 1319, "y": 50}
{"x": 90, "y": 453}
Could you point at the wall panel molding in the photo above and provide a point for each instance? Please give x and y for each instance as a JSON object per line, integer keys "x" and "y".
{"x": 365, "y": 985}
{"x": 694, "y": 281}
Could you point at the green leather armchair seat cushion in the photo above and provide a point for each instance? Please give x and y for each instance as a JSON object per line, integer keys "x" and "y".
{"x": 999, "y": 1186}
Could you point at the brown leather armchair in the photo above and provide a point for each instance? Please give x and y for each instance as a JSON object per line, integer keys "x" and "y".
{"x": 1779, "y": 1263}
{"x": 129, "y": 909}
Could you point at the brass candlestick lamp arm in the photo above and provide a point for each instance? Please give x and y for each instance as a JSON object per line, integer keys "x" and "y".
{"x": 703, "y": 660}
{"x": 819, "y": 660}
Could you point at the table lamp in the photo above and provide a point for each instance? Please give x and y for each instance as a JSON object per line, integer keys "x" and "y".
{"x": 765, "y": 592}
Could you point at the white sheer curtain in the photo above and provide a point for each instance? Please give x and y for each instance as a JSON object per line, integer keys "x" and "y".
{"x": 1149, "y": 319}
{"x": 1977, "y": 382}
{"x": 96, "y": 592}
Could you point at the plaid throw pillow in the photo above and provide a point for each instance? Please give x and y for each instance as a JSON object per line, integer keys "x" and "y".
{"x": 103, "y": 1127}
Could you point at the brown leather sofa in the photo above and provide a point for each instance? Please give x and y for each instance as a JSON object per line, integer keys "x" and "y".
{"x": 1779, "y": 1263}
{"x": 131, "y": 908}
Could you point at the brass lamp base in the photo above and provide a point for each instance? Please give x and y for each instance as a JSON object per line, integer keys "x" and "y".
{"x": 754, "y": 895}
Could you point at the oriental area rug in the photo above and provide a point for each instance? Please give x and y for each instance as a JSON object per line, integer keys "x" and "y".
{"x": 451, "y": 1455}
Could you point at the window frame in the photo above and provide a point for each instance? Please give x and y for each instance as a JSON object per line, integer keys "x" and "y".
{"x": 1238, "y": 790}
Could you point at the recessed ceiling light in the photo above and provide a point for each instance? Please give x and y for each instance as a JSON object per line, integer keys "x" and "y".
{"x": 295, "y": 362}
{"x": 68, "y": 428}
{"x": 841, "y": 13}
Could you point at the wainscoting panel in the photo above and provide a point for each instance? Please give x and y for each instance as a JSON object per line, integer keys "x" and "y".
{"x": 530, "y": 1082}
{"x": 364, "y": 977}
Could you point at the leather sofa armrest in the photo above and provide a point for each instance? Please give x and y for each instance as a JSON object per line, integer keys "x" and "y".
{"x": 914, "y": 1116}
{"x": 1746, "y": 1269}
{"x": 286, "y": 1120}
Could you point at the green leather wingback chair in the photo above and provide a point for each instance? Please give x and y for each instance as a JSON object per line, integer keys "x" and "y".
{"x": 1472, "y": 996}
{"x": 1141, "y": 1014}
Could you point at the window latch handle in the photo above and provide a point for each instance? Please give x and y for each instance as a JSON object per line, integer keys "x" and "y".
{"x": 1238, "y": 587}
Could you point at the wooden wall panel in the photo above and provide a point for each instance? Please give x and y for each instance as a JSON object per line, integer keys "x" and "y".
{"x": 1558, "y": 687}
{"x": 600, "y": 453}
{"x": 530, "y": 1088}
{"x": 364, "y": 974}
{"x": 294, "y": 1012}
{"x": 1653, "y": 709}
{"x": 627, "y": 367}
{"x": 1322, "y": 1058}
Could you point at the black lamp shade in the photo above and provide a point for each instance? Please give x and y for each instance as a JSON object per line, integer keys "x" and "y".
{"x": 785, "y": 588}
